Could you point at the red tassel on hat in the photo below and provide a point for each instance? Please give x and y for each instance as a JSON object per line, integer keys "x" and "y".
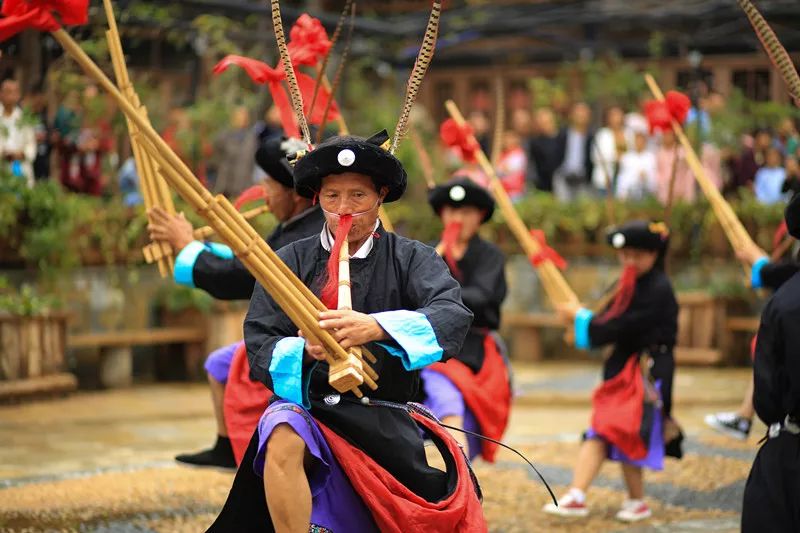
{"x": 330, "y": 291}
{"x": 622, "y": 298}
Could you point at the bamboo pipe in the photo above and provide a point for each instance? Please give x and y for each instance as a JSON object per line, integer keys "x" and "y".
{"x": 499, "y": 121}
{"x": 279, "y": 287}
{"x": 736, "y": 233}
{"x": 175, "y": 169}
{"x": 155, "y": 188}
{"x": 205, "y": 232}
{"x": 553, "y": 282}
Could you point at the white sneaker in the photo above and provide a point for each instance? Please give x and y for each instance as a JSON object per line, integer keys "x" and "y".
{"x": 633, "y": 511}
{"x": 729, "y": 424}
{"x": 567, "y": 506}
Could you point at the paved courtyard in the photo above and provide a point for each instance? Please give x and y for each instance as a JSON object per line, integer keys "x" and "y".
{"x": 102, "y": 461}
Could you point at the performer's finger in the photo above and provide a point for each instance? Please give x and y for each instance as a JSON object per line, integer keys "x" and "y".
{"x": 334, "y": 314}
{"x": 332, "y": 324}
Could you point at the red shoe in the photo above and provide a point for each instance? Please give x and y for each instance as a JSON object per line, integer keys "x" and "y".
{"x": 567, "y": 506}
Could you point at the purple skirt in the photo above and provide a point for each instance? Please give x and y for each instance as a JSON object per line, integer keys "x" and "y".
{"x": 654, "y": 460}
{"x": 218, "y": 362}
{"x": 443, "y": 398}
{"x": 335, "y": 504}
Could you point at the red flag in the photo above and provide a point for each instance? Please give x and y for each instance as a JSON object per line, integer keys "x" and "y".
{"x": 309, "y": 41}
{"x": 40, "y": 15}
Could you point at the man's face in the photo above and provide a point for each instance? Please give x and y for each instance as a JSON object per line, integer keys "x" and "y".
{"x": 9, "y": 93}
{"x": 280, "y": 199}
{"x": 351, "y": 194}
{"x": 581, "y": 115}
{"x": 642, "y": 260}
{"x": 469, "y": 216}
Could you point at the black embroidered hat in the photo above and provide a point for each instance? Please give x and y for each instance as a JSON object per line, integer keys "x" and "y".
{"x": 345, "y": 153}
{"x": 271, "y": 158}
{"x": 641, "y": 234}
{"x": 462, "y": 192}
{"x": 792, "y": 216}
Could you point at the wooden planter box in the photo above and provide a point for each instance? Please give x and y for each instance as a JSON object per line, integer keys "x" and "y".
{"x": 32, "y": 355}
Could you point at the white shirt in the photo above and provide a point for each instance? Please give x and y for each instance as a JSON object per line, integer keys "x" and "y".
{"x": 637, "y": 175}
{"x": 326, "y": 239}
{"x": 18, "y": 137}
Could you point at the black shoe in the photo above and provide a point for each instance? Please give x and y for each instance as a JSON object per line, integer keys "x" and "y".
{"x": 220, "y": 456}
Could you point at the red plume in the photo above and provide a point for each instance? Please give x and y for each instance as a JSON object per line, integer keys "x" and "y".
{"x": 460, "y": 138}
{"x": 622, "y": 298}
{"x": 450, "y": 235}
{"x": 780, "y": 233}
{"x": 660, "y": 114}
{"x": 42, "y": 15}
{"x": 330, "y": 291}
{"x": 251, "y": 194}
{"x": 678, "y": 105}
{"x": 308, "y": 41}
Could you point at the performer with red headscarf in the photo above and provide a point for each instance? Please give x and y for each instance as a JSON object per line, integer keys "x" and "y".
{"x": 631, "y": 420}
{"x": 472, "y": 391}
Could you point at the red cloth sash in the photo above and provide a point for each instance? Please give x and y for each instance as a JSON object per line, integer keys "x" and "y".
{"x": 243, "y": 403}
{"x": 395, "y": 508}
{"x": 487, "y": 393}
{"x": 618, "y": 409}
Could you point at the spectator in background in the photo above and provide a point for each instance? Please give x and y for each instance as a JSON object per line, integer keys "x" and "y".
{"x": 17, "y": 135}
{"x": 788, "y": 137}
{"x": 235, "y": 150}
{"x": 269, "y": 127}
{"x": 36, "y": 104}
{"x": 792, "y": 183}
{"x": 522, "y": 124}
{"x": 544, "y": 148}
{"x": 479, "y": 123}
{"x": 763, "y": 140}
{"x": 637, "y": 170}
{"x": 129, "y": 183}
{"x": 743, "y": 167}
{"x": 82, "y": 159}
{"x": 683, "y": 188}
{"x": 512, "y": 164}
{"x": 574, "y": 173}
{"x": 770, "y": 178}
{"x": 610, "y": 142}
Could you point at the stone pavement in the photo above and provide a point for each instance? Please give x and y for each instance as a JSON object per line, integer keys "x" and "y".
{"x": 102, "y": 461}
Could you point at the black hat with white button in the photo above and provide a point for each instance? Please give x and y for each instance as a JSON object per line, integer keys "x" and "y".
{"x": 640, "y": 234}
{"x": 342, "y": 154}
{"x": 462, "y": 192}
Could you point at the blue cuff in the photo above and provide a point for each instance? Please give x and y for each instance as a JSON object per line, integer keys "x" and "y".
{"x": 220, "y": 250}
{"x": 755, "y": 273}
{"x": 582, "y": 320}
{"x": 413, "y": 334}
{"x": 286, "y": 370}
{"x": 184, "y": 263}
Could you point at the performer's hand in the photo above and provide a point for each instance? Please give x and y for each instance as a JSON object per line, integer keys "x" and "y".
{"x": 313, "y": 351}
{"x": 567, "y": 311}
{"x": 174, "y": 229}
{"x": 351, "y": 328}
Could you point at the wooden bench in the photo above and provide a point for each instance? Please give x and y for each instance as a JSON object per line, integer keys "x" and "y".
{"x": 116, "y": 357}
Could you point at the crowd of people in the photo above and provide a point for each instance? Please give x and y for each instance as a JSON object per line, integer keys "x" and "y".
{"x": 577, "y": 154}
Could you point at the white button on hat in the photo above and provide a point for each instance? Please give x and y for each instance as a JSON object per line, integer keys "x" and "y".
{"x": 618, "y": 240}
{"x": 457, "y": 193}
{"x": 346, "y": 157}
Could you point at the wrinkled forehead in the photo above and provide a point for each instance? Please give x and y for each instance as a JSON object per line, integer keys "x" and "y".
{"x": 347, "y": 181}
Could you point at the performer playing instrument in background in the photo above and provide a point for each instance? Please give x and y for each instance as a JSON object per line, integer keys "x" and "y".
{"x": 471, "y": 391}
{"x": 771, "y": 501}
{"x": 213, "y": 268}
{"x": 327, "y": 458}
{"x": 765, "y": 273}
{"x": 631, "y": 411}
